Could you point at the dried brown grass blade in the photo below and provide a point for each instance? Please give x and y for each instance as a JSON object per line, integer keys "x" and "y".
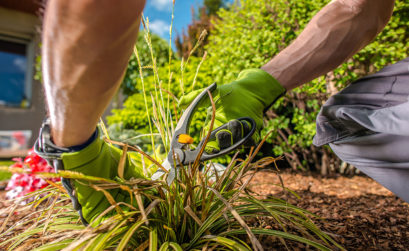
{"x": 197, "y": 160}
{"x": 226, "y": 172}
{"x": 121, "y": 165}
{"x": 206, "y": 247}
{"x": 126, "y": 188}
{"x": 50, "y": 211}
{"x": 152, "y": 206}
{"x": 141, "y": 207}
{"x": 27, "y": 245}
{"x": 170, "y": 94}
{"x": 109, "y": 197}
{"x": 193, "y": 215}
{"x": 59, "y": 187}
{"x": 143, "y": 246}
{"x": 13, "y": 209}
{"x": 253, "y": 155}
{"x": 141, "y": 152}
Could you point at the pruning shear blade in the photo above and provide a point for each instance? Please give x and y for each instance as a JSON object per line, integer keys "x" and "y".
{"x": 178, "y": 153}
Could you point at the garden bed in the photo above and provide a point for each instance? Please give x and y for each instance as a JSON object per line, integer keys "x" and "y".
{"x": 361, "y": 214}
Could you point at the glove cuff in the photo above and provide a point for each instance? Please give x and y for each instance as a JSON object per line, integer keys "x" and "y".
{"x": 46, "y": 149}
{"x": 263, "y": 85}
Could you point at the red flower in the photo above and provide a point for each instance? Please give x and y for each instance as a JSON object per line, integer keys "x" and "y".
{"x": 22, "y": 183}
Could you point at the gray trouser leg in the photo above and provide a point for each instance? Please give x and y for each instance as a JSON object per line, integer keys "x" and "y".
{"x": 383, "y": 157}
{"x": 367, "y": 125}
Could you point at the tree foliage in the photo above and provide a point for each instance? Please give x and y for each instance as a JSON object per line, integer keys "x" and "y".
{"x": 212, "y": 6}
{"x": 201, "y": 20}
{"x": 248, "y": 34}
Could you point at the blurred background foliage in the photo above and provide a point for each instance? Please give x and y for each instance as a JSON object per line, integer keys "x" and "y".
{"x": 248, "y": 34}
{"x": 161, "y": 49}
{"x": 202, "y": 19}
{"x": 133, "y": 115}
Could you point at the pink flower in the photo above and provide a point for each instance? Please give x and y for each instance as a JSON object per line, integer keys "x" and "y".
{"x": 21, "y": 184}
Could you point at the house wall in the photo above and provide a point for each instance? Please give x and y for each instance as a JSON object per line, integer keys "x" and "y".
{"x": 25, "y": 119}
{"x": 25, "y": 26}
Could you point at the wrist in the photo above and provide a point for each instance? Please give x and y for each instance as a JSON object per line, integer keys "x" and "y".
{"x": 278, "y": 74}
{"x": 45, "y": 143}
{"x": 71, "y": 134}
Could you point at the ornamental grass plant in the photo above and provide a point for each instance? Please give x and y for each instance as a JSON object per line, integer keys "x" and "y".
{"x": 201, "y": 210}
{"x": 194, "y": 213}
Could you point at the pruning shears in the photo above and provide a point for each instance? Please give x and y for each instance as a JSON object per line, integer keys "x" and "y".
{"x": 179, "y": 154}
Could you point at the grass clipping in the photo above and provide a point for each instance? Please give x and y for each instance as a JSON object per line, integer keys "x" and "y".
{"x": 201, "y": 210}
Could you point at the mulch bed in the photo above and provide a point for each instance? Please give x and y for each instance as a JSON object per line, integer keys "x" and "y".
{"x": 360, "y": 213}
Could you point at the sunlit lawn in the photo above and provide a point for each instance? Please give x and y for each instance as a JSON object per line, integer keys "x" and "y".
{"x": 4, "y": 175}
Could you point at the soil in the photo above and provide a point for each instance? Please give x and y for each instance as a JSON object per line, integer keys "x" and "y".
{"x": 359, "y": 213}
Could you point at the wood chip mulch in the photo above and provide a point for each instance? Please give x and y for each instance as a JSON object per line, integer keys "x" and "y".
{"x": 359, "y": 213}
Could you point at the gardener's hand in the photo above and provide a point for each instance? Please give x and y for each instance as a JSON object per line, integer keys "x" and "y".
{"x": 100, "y": 159}
{"x": 248, "y": 96}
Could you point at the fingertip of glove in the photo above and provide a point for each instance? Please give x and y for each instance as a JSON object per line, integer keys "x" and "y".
{"x": 186, "y": 99}
{"x": 212, "y": 147}
{"x": 182, "y": 103}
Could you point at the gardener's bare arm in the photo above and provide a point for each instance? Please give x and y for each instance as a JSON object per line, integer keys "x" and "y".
{"x": 86, "y": 47}
{"x": 335, "y": 34}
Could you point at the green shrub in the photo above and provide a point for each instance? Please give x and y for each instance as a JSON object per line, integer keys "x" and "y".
{"x": 251, "y": 32}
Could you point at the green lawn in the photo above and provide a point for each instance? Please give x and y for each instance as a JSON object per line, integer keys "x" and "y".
{"x": 4, "y": 175}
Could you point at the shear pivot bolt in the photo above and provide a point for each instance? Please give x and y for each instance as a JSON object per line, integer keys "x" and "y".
{"x": 185, "y": 139}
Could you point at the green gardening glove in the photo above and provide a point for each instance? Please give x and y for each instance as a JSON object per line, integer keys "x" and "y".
{"x": 254, "y": 91}
{"x": 99, "y": 159}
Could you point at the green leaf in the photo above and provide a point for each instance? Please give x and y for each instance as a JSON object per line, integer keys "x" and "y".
{"x": 283, "y": 235}
{"x": 223, "y": 241}
{"x": 125, "y": 239}
{"x": 153, "y": 240}
{"x": 167, "y": 245}
{"x": 54, "y": 246}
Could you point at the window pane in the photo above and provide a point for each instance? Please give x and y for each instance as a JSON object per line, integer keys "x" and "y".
{"x": 13, "y": 67}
